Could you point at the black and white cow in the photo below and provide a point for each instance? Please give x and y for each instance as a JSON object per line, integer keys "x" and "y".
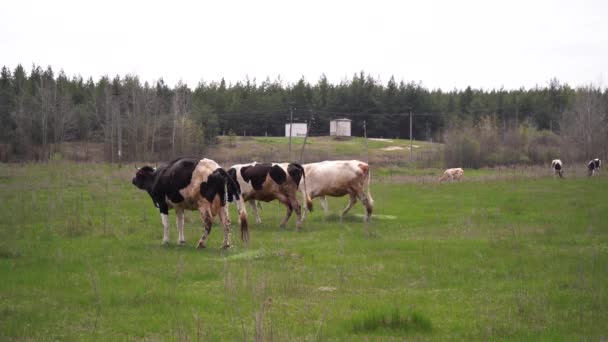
{"x": 192, "y": 184}
{"x": 594, "y": 166}
{"x": 270, "y": 181}
{"x": 558, "y": 167}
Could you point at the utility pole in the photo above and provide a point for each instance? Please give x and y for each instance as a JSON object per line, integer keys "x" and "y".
{"x": 411, "y": 139}
{"x": 308, "y": 125}
{"x": 119, "y": 139}
{"x": 290, "y": 128}
{"x": 365, "y": 136}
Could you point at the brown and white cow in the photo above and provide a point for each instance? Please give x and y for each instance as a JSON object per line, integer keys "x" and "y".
{"x": 337, "y": 178}
{"x": 454, "y": 174}
{"x": 270, "y": 181}
{"x": 191, "y": 184}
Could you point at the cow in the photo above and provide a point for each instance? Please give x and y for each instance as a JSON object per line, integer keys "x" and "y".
{"x": 557, "y": 167}
{"x": 270, "y": 181}
{"x": 454, "y": 174}
{"x": 338, "y": 178}
{"x": 594, "y": 166}
{"x": 192, "y": 184}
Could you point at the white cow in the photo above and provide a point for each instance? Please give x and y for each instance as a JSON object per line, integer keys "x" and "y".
{"x": 454, "y": 174}
{"x": 337, "y": 178}
{"x": 558, "y": 167}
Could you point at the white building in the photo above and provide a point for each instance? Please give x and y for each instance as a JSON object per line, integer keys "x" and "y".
{"x": 340, "y": 127}
{"x": 297, "y": 130}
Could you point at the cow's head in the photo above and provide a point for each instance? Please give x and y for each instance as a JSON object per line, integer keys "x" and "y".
{"x": 144, "y": 177}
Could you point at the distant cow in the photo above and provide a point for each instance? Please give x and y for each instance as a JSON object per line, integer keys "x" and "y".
{"x": 191, "y": 184}
{"x": 338, "y": 178}
{"x": 557, "y": 167}
{"x": 267, "y": 182}
{"x": 593, "y": 166}
{"x": 451, "y": 174}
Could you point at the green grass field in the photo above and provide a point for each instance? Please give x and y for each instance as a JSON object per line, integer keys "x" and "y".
{"x": 80, "y": 259}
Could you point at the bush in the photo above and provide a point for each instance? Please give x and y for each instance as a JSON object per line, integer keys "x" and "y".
{"x": 486, "y": 145}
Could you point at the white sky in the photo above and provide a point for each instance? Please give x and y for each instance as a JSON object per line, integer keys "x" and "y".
{"x": 443, "y": 44}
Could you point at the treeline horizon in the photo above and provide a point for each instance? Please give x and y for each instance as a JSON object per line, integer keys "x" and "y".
{"x": 142, "y": 120}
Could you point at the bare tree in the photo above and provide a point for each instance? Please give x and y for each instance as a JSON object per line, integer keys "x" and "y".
{"x": 586, "y": 124}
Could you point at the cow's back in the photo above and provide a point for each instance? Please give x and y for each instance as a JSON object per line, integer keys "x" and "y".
{"x": 334, "y": 178}
{"x": 199, "y": 172}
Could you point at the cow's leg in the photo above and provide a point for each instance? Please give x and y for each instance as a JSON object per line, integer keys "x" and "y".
{"x": 368, "y": 205}
{"x": 226, "y": 226}
{"x": 254, "y": 208}
{"x": 305, "y": 209}
{"x": 351, "y": 202}
{"x": 179, "y": 213}
{"x": 285, "y": 201}
{"x": 165, "y": 219}
{"x": 324, "y": 205}
{"x": 208, "y": 221}
{"x": 298, "y": 208}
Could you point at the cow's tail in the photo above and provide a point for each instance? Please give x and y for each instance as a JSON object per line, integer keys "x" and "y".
{"x": 234, "y": 194}
{"x": 369, "y": 194}
{"x": 305, "y": 194}
{"x": 240, "y": 204}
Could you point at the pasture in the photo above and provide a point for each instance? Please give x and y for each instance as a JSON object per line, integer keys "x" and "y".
{"x": 513, "y": 258}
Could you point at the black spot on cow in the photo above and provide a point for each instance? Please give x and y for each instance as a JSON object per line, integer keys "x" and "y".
{"x": 296, "y": 172}
{"x": 278, "y": 174}
{"x": 256, "y": 174}
{"x": 558, "y": 166}
{"x": 215, "y": 185}
{"x": 234, "y": 189}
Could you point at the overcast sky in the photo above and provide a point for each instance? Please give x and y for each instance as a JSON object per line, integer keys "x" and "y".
{"x": 443, "y": 44}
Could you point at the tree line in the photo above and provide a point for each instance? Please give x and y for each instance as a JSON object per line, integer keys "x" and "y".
{"x": 136, "y": 120}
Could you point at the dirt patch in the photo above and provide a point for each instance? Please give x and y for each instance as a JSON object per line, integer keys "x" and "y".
{"x": 327, "y": 289}
{"x": 392, "y": 148}
{"x": 381, "y": 139}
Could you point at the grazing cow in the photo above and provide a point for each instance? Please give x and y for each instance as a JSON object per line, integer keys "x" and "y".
{"x": 593, "y": 166}
{"x": 267, "y": 182}
{"x": 557, "y": 167}
{"x": 191, "y": 184}
{"x": 451, "y": 175}
{"x": 337, "y": 178}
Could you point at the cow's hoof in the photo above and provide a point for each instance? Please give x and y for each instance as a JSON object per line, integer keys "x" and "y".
{"x": 165, "y": 243}
{"x": 200, "y": 245}
{"x": 258, "y": 221}
{"x": 226, "y": 246}
{"x": 181, "y": 243}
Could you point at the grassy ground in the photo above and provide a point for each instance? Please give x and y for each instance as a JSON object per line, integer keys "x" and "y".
{"x": 80, "y": 259}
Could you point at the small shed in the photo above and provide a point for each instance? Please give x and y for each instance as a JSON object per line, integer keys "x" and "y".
{"x": 297, "y": 129}
{"x": 340, "y": 127}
